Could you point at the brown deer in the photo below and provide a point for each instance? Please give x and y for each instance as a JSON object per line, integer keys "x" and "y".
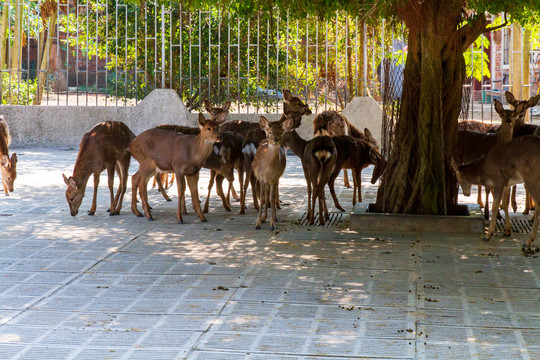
{"x": 160, "y": 150}
{"x": 332, "y": 123}
{"x": 521, "y": 129}
{"x": 8, "y": 166}
{"x": 355, "y": 154}
{"x": 503, "y": 166}
{"x": 318, "y": 157}
{"x": 268, "y": 166}
{"x": 104, "y": 147}
{"x": 472, "y": 145}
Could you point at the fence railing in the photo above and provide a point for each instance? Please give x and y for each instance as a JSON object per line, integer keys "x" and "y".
{"x": 107, "y": 52}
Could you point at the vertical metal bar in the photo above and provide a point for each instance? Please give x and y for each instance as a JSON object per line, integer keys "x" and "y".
{"x": 306, "y": 72}
{"x": 163, "y": 46}
{"x": 356, "y": 57}
{"x": 383, "y": 54}
{"x": 258, "y": 50}
{"x": 77, "y": 52}
{"x": 337, "y": 62}
{"x": 287, "y": 53}
{"x": 145, "y": 51}
{"x": 220, "y": 99}
{"x": 247, "y": 62}
{"x": 268, "y": 61}
{"x": 97, "y": 57}
{"x": 87, "y": 57}
{"x": 317, "y": 64}
{"x": 210, "y": 56}
{"x": 482, "y": 74}
{"x": 278, "y": 19}
{"x": 296, "y": 59}
{"x": 200, "y": 55}
{"x": 326, "y": 64}
{"x": 365, "y": 57}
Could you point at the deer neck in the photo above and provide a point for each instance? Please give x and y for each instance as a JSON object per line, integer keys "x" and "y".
{"x": 505, "y": 135}
{"x": 294, "y": 142}
{"x": 203, "y": 148}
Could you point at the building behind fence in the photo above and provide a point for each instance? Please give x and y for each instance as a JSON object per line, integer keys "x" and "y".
{"x": 90, "y": 53}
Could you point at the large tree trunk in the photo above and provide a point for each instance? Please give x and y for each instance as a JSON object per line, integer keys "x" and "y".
{"x": 419, "y": 179}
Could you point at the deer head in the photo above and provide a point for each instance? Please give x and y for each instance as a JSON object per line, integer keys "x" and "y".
{"x": 74, "y": 194}
{"x": 380, "y": 164}
{"x": 210, "y": 127}
{"x": 217, "y": 111}
{"x": 294, "y": 106}
{"x": 9, "y": 172}
{"x": 275, "y": 130}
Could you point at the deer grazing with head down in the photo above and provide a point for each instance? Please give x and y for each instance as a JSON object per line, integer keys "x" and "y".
{"x": 503, "y": 166}
{"x": 104, "y": 147}
{"x": 8, "y": 165}
{"x": 268, "y": 166}
{"x": 159, "y": 150}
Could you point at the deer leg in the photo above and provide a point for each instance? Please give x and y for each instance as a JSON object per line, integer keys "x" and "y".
{"x": 346, "y": 179}
{"x": 143, "y": 193}
{"x": 254, "y": 184}
{"x": 157, "y": 179}
{"x": 273, "y": 194}
{"x": 505, "y": 204}
{"x": 486, "y": 206}
{"x": 309, "y": 196}
{"x": 180, "y": 184}
{"x": 124, "y": 166}
{"x": 267, "y": 200}
{"x": 172, "y": 179}
{"x": 479, "y": 197}
{"x": 210, "y": 186}
{"x": 259, "y": 218}
{"x": 514, "y": 202}
{"x": 278, "y": 204}
{"x": 182, "y": 197}
{"x": 134, "y": 187}
{"x": 320, "y": 191}
{"x": 356, "y": 173}
{"x": 110, "y": 184}
{"x": 242, "y": 193}
{"x": 219, "y": 188}
{"x": 233, "y": 192}
{"x": 192, "y": 183}
{"x": 244, "y": 186}
{"x": 527, "y": 202}
{"x": 94, "y": 197}
{"x": 497, "y": 196}
{"x": 333, "y": 191}
{"x": 535, "y": 195}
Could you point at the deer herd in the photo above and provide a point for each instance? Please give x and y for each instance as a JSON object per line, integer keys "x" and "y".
{"x": 496, "y": 157}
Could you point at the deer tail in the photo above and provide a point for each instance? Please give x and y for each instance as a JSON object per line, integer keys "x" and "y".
{"x": 323, "y": 155}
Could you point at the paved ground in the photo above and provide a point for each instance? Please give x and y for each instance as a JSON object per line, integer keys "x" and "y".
{"x": 100, "y": 287}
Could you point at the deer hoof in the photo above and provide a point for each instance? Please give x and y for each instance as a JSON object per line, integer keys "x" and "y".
{"x": 140, "y": 215}
{"x": 485, "y": 238}
{"x": 272, "y": 228}
{"x": 150, "y": 219}
{"x": 90, "y": 213}
{"x": 180, "y": 221}
{"x": 258, "y": 227}
{"x": 204, "y": 220}
{"x": 507, "y": 233}
{"x": 111, "y": 213}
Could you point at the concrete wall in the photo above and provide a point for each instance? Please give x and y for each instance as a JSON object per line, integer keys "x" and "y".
{"x": 64, "y": 126}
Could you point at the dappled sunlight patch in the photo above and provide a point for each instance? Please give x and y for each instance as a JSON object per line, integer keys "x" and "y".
{"x": 10, "y": 338}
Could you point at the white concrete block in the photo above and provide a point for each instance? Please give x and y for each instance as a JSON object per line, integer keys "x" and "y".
{"x": 365, "y": 112}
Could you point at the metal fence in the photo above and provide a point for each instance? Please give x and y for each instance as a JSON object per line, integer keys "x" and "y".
{"x": 83, "y": 52}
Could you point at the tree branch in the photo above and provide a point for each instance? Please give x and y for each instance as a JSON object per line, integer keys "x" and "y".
{"x": 472, "y": 30}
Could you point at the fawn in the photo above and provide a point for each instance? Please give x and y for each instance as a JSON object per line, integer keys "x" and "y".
{"x": 104, "y": 147}
{"x": 268, "y": 166}
{"x": 159, "y": 150}
{"x": 8, "y": 166}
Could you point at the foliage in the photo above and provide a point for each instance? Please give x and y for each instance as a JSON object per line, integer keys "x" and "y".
{"x": 17, "y": 92}
{"x": 476, "y": 55}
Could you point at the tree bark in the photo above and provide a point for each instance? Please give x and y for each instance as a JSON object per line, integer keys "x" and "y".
{"x": 419, "y": 179}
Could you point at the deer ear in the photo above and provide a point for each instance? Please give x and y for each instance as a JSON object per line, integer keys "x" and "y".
{"x": 226, "y": 106}
{"x": 521, "y": 108}
{"x": 66, "y": 180}
{"x": 498, "y": 106}
{"x": 510, "y": 98}
{"x": 287, "y": 95}
{"x": 73, "y": 183}
{"x": 5, "y": 161}
{"x": 13, "y": 159}
{"x": 533, "y": 101}
{"x": 305, "y": 110}
{"x": 263, "y": 123}
{"x": 374, "y": 155}
{"x": 222, "y": 117}
{"x": 454, "y": 165}
{"x": 202, "y": 120}
{"x": 207, "y": 105}
{"x": 368, "y": 133}
{"x": 288, "y": 125}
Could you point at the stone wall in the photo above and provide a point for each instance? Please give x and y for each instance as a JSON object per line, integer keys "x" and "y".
{"x": 64, "y": 126}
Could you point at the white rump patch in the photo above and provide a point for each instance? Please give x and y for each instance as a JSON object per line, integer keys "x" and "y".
{"x": 250, "y": 149}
